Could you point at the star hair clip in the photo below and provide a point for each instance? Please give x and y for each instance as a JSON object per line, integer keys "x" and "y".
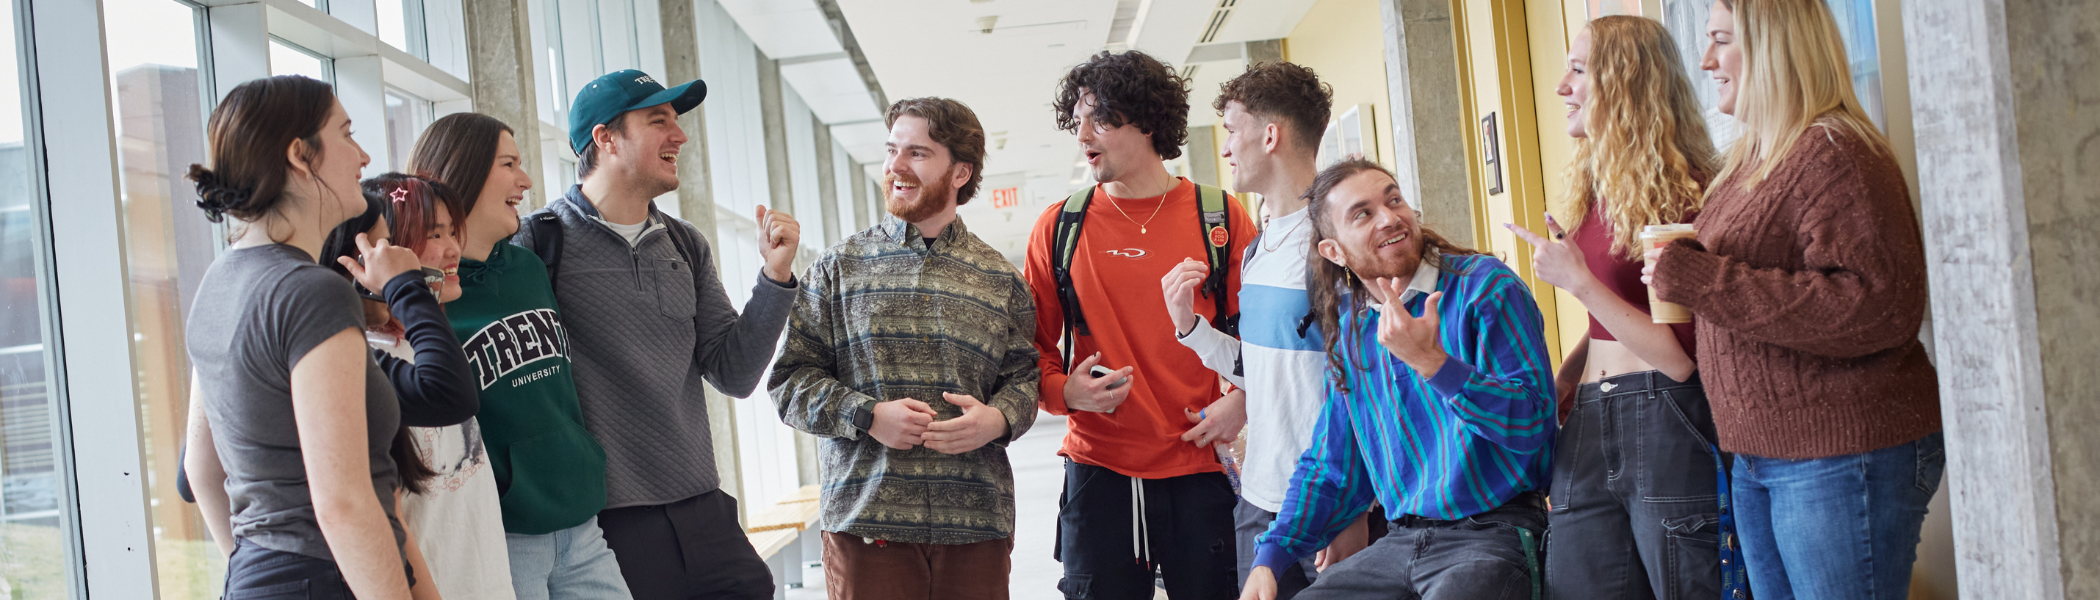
{"x": 400, "y": 195}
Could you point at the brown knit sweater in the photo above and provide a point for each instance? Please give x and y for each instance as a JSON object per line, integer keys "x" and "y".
{"x": 1808, "y": 294}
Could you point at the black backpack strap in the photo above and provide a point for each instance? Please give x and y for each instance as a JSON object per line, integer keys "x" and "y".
{"x": 683, "y": 240}
{"x": 546, "y": 242}
{"x": 1217, "y": 237}
{"x": 1064, "y": 242}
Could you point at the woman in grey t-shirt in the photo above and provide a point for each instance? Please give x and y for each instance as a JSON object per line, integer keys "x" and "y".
{"x": 290, "y": 419}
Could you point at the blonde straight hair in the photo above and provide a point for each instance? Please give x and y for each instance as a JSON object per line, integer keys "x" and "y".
{"x": 1795, "y": 76}
{"x": 1647, "y": 155}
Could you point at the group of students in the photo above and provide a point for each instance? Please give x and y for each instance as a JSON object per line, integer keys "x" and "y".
{"x": 403, "y": 388}
{"x": 523, "y": 394}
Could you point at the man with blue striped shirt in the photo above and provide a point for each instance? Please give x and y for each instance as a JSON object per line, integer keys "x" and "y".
{"x": 1439, "y": 407}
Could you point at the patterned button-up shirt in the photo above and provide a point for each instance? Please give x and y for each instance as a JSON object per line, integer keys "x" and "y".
{"x": 883, "y": 317}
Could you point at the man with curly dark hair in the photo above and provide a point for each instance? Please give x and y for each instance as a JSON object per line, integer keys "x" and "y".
{"x": 1145, "y": 492}
{"x": 1273, "y": 115}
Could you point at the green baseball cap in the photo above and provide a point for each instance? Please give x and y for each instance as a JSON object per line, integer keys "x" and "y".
{"x": 615, "y": 93}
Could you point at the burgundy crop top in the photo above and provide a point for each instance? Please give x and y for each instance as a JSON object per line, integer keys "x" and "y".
{"x": 1621, "y": 276}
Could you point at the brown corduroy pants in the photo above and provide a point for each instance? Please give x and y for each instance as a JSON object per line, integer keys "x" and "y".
{"x": 858, "y": 570}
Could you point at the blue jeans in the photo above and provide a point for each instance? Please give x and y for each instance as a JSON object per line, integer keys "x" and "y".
{"x": 1842, "y": 527}
{"x": 571, "y": 564}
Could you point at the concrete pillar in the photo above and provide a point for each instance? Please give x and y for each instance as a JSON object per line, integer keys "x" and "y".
{"x": 2009, "y": 177}
{"x": 864, "y": 214}
{"x": 827, "y": 181}
{"x": 772, "y": 112}
{"x": 696, "y": 204}
{"x": 1261, "y": 51}
{"x": 499, "y": 69}
{"x": 1421, "y": 72}
{"x": 681, "y": 42}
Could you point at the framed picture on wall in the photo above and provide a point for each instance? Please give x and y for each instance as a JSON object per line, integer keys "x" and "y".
{"x": 1491, "y": 154}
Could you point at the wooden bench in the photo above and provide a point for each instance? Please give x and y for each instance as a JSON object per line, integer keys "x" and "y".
{"x": 784, "y": 536}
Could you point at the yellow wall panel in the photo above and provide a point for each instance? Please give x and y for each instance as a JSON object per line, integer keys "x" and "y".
{"x": 1342, "y": 41}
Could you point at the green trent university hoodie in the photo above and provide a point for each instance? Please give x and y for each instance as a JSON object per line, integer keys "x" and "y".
{"x": 550, "y": 473}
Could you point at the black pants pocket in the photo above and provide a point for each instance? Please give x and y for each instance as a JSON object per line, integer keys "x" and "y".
{"x": 1076, "y": 587}
{"x": 1692, "y": 563}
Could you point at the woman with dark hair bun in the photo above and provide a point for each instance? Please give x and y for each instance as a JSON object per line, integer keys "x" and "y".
{"x": 291, "y": 420}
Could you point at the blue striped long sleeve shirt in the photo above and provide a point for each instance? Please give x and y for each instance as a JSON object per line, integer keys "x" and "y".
{"x": 1459, "y": 444}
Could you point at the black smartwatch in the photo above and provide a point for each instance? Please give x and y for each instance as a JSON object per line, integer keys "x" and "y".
{"x": 864, "y": 415}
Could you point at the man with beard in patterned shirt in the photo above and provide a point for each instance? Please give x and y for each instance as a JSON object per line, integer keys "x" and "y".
{"x": 909, "y": 353}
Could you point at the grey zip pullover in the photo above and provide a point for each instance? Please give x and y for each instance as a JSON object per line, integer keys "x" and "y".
{"x": 645, "y": 330}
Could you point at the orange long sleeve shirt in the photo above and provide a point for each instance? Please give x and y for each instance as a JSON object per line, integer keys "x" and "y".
{"x": 1116, "y": 272}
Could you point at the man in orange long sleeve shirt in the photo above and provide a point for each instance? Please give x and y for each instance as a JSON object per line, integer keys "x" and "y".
{"x": 1143, "y": 488}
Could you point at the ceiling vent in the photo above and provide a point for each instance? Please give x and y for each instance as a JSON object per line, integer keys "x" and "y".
{"x": 1217, "y": 21}
{"x": 1122, "y": 30}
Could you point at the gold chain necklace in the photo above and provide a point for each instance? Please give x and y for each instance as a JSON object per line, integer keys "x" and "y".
{"x": 1148, "y": 220}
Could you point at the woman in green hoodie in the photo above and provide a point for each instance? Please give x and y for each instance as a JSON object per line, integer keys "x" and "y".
{"x": 550, "y": 473}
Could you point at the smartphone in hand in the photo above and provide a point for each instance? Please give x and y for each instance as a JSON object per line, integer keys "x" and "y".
{"x": 1101, "y": 371}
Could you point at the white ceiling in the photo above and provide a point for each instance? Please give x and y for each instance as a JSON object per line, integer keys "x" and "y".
{"x": 1008, "y": 76}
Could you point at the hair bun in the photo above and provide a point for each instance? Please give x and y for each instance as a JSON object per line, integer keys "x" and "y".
{"x": 214, "y": 195}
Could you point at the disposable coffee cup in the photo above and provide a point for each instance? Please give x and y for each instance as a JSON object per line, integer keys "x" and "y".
{"x": 1657, "y": 236}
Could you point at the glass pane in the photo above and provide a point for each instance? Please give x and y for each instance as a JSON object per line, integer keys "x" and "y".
{"x": 1686, "y": 20}
{"x": 33, "y": 503}
{"x": 1855, "y": 21}
{"x": 406, "y": 116}
{"x": 393, "y": 23}
{"x": 160, "y": 111}
{"x": 286, "y": 59}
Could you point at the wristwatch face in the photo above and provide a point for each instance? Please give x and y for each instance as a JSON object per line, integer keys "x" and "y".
{"x": 863, "y": 418}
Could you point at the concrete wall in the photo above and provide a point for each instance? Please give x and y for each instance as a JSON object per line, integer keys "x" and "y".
{"x": 2009, "y": 176}
{"x": 1428, "y": 124}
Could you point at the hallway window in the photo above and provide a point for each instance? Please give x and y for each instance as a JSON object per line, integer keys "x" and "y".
{"x": 160, "y": 108}
{"x": 406, "y": 116}
{"x": 1855, "y": 21}
{"x": 288, "y": 59}
{"x": 34, "y": 502}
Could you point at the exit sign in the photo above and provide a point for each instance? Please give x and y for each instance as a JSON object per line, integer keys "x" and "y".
{"x": 1006, "y": 198}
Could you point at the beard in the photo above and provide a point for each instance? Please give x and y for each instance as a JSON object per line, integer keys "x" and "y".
{"x": 933, "y": 197}
{"x": 1369, "y": 264}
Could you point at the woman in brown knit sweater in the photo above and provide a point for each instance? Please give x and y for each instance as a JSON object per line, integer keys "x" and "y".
{"x": 1630, "y": 387}
{"x": 1808, "y": 283}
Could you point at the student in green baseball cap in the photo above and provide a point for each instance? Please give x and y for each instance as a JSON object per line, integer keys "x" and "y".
{"x": 650, "y": 325}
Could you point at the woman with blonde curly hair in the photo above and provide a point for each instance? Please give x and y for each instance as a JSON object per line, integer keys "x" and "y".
{"x": 1808, "y": 283}
{"x": 1630, "y": 389}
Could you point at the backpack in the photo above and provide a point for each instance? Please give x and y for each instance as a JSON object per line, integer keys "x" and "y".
{"x": 1064, "y": 242}
{"x": 547, "y": 240}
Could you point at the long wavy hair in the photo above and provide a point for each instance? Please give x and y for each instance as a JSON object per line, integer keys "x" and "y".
{"x": 1331, "y": 286}
{"x": 1647, "y": 157}
{"x": 1795, "y": 76}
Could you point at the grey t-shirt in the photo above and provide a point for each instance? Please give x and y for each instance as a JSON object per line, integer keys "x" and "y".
{"x": 258, "y": 311}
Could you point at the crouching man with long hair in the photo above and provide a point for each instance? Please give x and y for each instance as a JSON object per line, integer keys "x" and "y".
{"x": 1439, "y": 406}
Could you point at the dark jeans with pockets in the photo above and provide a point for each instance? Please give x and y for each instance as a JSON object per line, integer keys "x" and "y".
{"x": 1636, "y": 511}
{"x": 258, "y": 573}
{"x": 686, "y": 550}
{"x": 1488, "y": 556}
{"x": 1185, "y": 530}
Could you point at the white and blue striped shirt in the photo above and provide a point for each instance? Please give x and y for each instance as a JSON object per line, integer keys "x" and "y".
{"x": 1282, "y": 372}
